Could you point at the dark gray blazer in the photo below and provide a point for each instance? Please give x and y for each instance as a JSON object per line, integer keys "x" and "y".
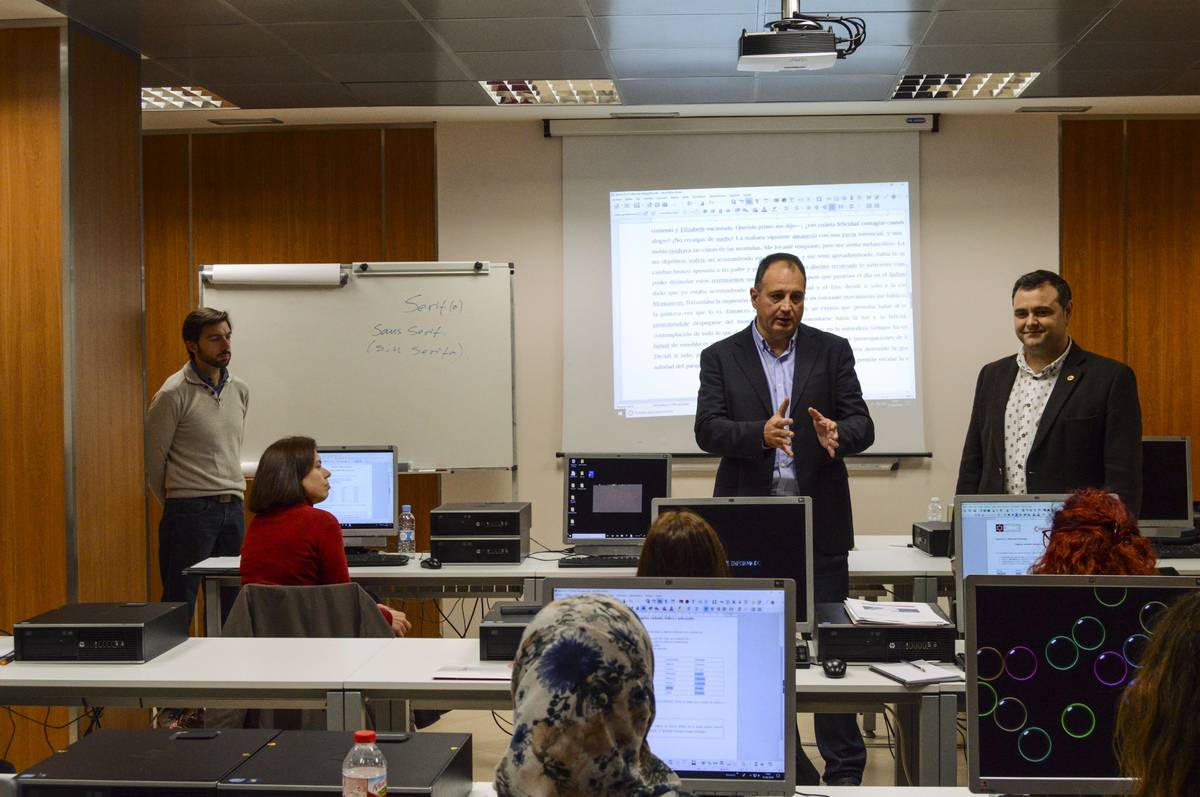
{"x": 734, "y": 405}
{"x": 1090, "y": 434}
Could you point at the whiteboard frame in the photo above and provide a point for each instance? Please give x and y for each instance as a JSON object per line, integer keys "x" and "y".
{"x": 401, "y": 268}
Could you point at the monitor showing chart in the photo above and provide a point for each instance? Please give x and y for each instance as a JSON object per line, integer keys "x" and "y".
{"x": 724, "y": 678}
{"x": 362, "y": 492}
{"x": 1000, "y": 535}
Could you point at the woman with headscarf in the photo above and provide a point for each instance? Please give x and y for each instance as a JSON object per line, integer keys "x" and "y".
{"x": 583, "y": 703}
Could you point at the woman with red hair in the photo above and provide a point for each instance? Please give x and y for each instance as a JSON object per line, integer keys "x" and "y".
{"x": 1094, "y": 534}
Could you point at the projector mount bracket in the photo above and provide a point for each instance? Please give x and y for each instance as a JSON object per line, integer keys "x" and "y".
{"x": 792, "y": 20}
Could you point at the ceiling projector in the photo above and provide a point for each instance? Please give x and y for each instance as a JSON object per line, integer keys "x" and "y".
{"x": 799, "y": 42}
{"x": 777, "y": 51}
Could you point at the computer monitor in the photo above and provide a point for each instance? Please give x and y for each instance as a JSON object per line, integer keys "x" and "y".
{"x": 724, "y": 676}
{"x": 764, "y": 537}
{"x": 362, "y": 493}
{"x": 999, "y": 535}
{"x": 1167, "y": 509}
{"x": 606, "y": 499}
{"x": 1048, "y": 658}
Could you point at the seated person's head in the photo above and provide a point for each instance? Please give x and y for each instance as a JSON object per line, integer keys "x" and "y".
{"x": 1093, "y": 534}
{"x": 583, "y": 703}
{"x": 289, "y": 472}
{"x": 682, "y": 545}
{"x": 1157, "y": 733}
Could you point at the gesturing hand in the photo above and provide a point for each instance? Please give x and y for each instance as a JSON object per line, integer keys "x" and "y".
{"x": 827, "y": 433}
{"x": 777, "y": 433}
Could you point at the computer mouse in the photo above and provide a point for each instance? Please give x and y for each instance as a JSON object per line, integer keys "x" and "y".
{"x": 834, "y": 668}
{"x": 429, "y": 563}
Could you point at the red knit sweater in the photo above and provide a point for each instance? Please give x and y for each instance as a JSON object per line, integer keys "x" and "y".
{"x": 297, "y": 546}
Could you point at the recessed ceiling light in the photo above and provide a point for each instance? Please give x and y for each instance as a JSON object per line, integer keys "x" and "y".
{"x": 552, "y": 92}
{"x": 963, "y": 86}
{"x": 182, "y": 98}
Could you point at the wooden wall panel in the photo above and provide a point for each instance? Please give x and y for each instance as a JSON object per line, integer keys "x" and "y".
{"x": 1164, "y": 275}
{"x": 1092, "y": 230}
{"x": 410, "y": 190}
{"x": 106, "y": 246}
{"x": 32, "y": 460}
{"x": 169, "y": 283}
{"x": 1136, "y": 260}
{"x": 291, "y": 197}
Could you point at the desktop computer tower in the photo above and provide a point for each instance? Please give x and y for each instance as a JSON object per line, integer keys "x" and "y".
{"x": 131, "y": 633}
{"x": 142, "y": 763}
{"x": 480, "y": 533}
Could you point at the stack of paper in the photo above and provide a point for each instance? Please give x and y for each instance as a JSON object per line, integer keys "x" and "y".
{"x": 894, "y": 613}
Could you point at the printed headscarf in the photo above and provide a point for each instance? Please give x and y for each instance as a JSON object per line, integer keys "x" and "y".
{"x": 583, "y": 702}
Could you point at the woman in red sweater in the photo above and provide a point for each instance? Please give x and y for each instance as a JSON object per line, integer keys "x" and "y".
{"x": 290, "y": 542}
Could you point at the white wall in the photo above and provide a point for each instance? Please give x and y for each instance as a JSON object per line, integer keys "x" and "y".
{"x": 989, "y": 212}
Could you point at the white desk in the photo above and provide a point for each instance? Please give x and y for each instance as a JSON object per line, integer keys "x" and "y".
{"x": 408, "y": 581}
{"x": 403, "y": 669}
{"x": 878, "y": 559}
{"x": 889, "y": 559}
{"x": 484, "y": 789}
{"x": 260, "y": 673}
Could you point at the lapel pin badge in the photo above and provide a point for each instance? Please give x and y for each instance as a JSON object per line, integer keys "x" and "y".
{"x": 1070, "y": 377}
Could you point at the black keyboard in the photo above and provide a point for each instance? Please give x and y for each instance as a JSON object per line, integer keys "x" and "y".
{"x": 376, "y": 559}
{"x": 1167, "y": 550}
{"x": 600, "y": 560}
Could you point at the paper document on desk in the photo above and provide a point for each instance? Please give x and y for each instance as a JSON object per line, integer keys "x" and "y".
{"x": 894, "y": 613}
{"x": 917, "y": 672}
{"x": 483, "y": 671}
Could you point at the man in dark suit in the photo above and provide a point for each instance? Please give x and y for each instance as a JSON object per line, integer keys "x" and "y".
{"x": 1052, "y": 418}
{"x": 748, "y": 382}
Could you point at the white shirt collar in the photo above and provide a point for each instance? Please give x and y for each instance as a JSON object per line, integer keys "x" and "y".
{"x": 1049, "y": 370}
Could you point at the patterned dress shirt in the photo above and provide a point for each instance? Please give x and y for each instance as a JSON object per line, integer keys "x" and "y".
{"x": 1026, "y": 402}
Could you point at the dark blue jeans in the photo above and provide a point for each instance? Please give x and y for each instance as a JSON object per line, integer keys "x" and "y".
{"x": 192, "y": 530}
{"x": 838, "y": 736}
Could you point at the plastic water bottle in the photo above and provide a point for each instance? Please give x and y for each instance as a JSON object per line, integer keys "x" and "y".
{"x": 408, "y": 530}
{"x": 936, "y": 511}
{"x": 364, "y": 772}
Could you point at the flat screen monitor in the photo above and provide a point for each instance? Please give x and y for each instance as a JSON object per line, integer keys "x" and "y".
{"x": 1047, "y": 660}
{"x": 362, "y": 493}
{"x": 1166, "y": 486}
{"x": 764, "y": 537}
{"x": 606, "y": 499}
{"x": 1000, "y": 535}
{"x": 724, "y": 676}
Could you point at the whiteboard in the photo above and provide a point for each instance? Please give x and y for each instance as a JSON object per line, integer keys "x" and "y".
{"x": 419, "y": 355}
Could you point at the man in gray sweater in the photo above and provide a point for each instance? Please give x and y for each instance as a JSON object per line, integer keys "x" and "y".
{"x": 194, "y": 435}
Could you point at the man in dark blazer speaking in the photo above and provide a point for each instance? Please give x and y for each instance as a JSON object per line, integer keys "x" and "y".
{"x": 1052, "y": 418}
{"x": 752, "y": 386}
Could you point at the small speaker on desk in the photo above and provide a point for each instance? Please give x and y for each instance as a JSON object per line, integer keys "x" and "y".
{"x": 932, "y": 537}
